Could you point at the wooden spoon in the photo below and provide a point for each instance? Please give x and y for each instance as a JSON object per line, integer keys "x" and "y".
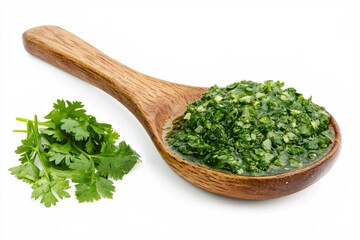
{"x": 156, "y": 103}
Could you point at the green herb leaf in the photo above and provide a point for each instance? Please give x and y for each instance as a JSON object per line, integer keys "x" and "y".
{"x": 77, "y": 128}
{"x": 27, "y": 172}
{"x": 46, "y": 189}
{"x": 115, "y": 162}
{"x": 94, "y": 189}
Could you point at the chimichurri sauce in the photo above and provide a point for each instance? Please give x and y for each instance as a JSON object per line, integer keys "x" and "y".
{"x": 250, "y": 128}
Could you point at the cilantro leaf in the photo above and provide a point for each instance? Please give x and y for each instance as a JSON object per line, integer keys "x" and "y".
{"x": 59, "y": 188}
{"x": 115, "y": 162}
{"x": 94, "y": 188}
{"x": 105, "y": 187}
{"x": 27, "y": 172}
{"x": 90, "y": 146}
{"x": 46, "y": 190}
{"x": 77, "y": 128}
{"x": 42, "y": 189}
{"x": 27, "y": 149}
{"x": 61, "y": 153}
{"x": 80, "y": 163}
{"x": 65, "y": 109}
{"x": 87, "y": 192}
{"x": 57, "y": 134}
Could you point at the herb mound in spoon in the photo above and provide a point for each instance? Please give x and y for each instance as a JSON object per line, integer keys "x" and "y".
{"x": 250, "y": 128}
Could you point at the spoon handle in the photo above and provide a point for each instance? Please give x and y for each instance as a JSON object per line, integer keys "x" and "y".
{"x": 136, "y": 91}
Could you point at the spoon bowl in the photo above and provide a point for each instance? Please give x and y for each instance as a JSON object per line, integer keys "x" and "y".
{"x": 156, "y": 103}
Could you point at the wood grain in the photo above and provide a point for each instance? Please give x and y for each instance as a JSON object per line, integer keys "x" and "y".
{"x": 155, "y": 103}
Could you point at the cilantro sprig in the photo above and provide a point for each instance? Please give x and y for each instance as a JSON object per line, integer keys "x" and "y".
{"x": 250, "y": 128}
{"x": 71, "y": 146}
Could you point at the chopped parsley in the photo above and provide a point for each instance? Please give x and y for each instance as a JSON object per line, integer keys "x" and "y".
{"x": 250, "y": 128}
{"x": 71, "y": 145}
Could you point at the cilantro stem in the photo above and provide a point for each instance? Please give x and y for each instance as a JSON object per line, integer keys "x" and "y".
{"x": 33, "y": 125}
{"x": 66, "y": 174}
{"x": 22, "y": 119}
{"x": 20, "y": 131}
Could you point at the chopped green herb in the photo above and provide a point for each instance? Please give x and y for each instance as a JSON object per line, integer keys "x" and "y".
{"x": 71, "y": 145}
{"x": 250, "y": 128}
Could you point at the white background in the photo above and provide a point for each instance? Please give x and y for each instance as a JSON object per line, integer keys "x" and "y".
{"x": 310, "y": 45}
